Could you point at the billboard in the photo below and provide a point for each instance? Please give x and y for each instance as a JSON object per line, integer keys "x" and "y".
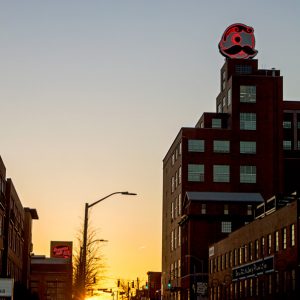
{"x": 61, "y": 249}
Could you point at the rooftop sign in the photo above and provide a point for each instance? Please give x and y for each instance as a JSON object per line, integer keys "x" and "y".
{"x": 238, "y": 41}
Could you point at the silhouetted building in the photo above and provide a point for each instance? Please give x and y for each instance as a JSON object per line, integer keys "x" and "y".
{"x": 260, "y": 260}
{"x": 154, "y": 285}
{"x": 247, "y": 151}
{"x": 51, "y": 278}
{"x": 15, "y": 235}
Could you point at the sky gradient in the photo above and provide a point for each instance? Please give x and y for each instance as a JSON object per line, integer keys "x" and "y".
{"x": 93, "y": 93}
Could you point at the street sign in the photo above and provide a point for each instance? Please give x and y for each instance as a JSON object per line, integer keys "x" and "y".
{"x": 6, "y": 287}
{"x": 201, "y": 288}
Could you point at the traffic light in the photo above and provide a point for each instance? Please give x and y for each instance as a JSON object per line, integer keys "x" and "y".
{"x": 146, "y": 285}
{"x": 118, "y": 282}
{"x": 169, "y": 284}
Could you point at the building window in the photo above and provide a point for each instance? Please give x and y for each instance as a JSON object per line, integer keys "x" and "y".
{"x": 247, "y": 147}
{"x": 287, "y": 124}
{"x": 292, "y": 233}
{"x": 256, "y": 249}
{"x": 224, "y": 101}
{"x": 179, "y": 175}
{"x": 229, "y": 95}
{"x": 247, "y": 174}
{"x": 179, "y": 205}
{"x": 179, "y": 236}
{"x": 248, "y": 93}
{"x": 262, "y": 247}
{"x": 248, "y": 121}
{"x": 287, "y": 145}
{"x": 284, "y": 238}
{"x": 249, "y": 210}
{"x": 276, "y": 241}
{"x": 269, "y": 243}
{"x": 195, "y": 172}
{"x": 226, "y": 227}
{"x": 226, "y": 210}
{"x": 222, "y": 146}
{"x": 243, "y": 69}
{"x": 196, "y": 145}
{"x": 221, "y": 173}
{"x": 203, "y": 208}
{"x": 219, "y": 108}
{"x": 173, "y": 159}
{"x": 172, "y": 184}
{"x": 172, "y": 210}
{"x": 216, "y": 123}
{"x": 180, "y": 148}
{"x": 172, "y": 240}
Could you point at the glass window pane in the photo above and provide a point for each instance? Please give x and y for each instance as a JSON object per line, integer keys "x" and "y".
{"x": 248, "y": 174}
{"x": 247, "y": 147}
{"x": 248, "y": 93}
{"x": 216, "y": 123}
{"x": 221, "y": 173}
{"x": 248, "y": 121}
{"x": 196, "y": 145}
{"x": 195, "y": 172}
{"x": 222, "y": 146}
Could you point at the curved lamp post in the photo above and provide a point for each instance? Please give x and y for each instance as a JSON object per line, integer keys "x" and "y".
{"x": 85, "y": 230}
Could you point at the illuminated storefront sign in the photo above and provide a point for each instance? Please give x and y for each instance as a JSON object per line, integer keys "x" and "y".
{"x": 61, "y": 249}
{"x": 238, "y": 41}
{"x": 258, "y": 267}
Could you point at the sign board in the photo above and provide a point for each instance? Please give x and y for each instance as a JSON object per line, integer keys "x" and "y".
{"x": 61, "y": 249}
{"x": 6, "y": 287}
{"x": 201, "y": 288}
{"x": 258, "y": 267}
{"x": 238, "y": 42}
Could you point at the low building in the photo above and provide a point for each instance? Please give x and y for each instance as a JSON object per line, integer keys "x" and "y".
{"x": 51, "y": 278}
{"x": 261, "y": 259}
{"x": 154, "y": 285}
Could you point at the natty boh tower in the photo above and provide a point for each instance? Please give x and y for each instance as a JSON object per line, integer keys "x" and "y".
{"x": 215, "y": 173}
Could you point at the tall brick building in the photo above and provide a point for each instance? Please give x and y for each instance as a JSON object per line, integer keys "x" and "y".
{"x": 216, "y": 173}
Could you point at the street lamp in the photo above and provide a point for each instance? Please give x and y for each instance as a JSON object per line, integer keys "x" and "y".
{"x": 85, "y": 230}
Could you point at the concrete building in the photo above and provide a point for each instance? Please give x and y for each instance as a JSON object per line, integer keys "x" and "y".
{"x": 260, "y": 260}
{"x": 250, "y": 145}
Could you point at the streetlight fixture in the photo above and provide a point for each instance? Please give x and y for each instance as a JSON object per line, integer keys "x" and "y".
{"x": 85, "y": 230}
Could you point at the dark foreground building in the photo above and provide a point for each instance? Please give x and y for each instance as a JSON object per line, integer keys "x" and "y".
{"x": 15, "y": 237}
{"x": 260, "y": 260}
{"x": 51, "y": 278}
{"x": 249, "y": 146}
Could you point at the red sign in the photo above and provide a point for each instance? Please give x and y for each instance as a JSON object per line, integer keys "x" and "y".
{"x": 61, "y": 249}
{"x": 238, "y": 41}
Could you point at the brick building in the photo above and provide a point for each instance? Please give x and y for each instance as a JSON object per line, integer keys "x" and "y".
{"x": 51, "y": 278}
{"x": 15, "y": 236}
{"x": 260, "y": 260}
{"x": 250, "y": 145}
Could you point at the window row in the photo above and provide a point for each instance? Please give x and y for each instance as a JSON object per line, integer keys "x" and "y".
{"x": 176, "y": 208}
{"x": 221, "y": 173}
{"x": 176, "y": 153}
{"x": 288, "y": 145}
{"x": 259, "y": 248}
{"x": 222, "y": 146}
{"x": 270, "y": 284}
{"x": 175, "y": 270}
{"x": 176, "y": 180}
{"x": 175, "y": 238}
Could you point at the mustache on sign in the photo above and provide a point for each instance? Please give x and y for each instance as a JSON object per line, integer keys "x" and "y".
{"x": 237, "y": 49}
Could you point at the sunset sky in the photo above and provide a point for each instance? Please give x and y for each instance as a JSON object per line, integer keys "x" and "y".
{"x": 93, "y": 93}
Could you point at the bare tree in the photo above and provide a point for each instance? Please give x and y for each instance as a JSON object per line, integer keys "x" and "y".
{"x": 95, "y": 263}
